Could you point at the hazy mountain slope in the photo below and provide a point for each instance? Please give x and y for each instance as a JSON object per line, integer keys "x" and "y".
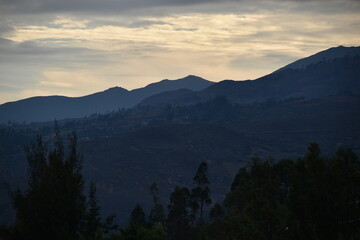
{"x": 175, "y": 97}
{"x": 59, "y": 107}
{"x": 124, "y": 167}
{"x": 165, "y": 145}
{"x": 169, "y": 153}
{"x": 324, "y": 56}
{"x": 315, "y": 81}
{"x": 189, "y": 83}
{"x": 336, "y": 75}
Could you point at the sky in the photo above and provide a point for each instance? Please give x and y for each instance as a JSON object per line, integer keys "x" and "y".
{"x": 78, "y": 47}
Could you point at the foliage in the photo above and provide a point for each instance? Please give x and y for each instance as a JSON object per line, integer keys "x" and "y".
{"x": 200, "y": 195}
{"x": 137, "y": 217}
{"x": 314, "y": 197}
{"x": 178, "y": 219}
{"x": 311, "y": 198}
{"x": 53, "y": 206}
{"x": 93, "y": 223}
{"x": 157, "y": 214}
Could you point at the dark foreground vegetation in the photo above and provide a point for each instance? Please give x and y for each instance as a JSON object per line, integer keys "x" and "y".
{"x": 313, "y": 197}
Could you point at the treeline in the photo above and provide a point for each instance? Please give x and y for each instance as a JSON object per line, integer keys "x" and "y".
{"x": 54, "y": 205}
{"x": 313, "y": 197}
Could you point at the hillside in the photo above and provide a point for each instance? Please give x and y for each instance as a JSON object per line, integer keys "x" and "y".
{"x": 319, "y": 78}
{"x": 38, "y": 109}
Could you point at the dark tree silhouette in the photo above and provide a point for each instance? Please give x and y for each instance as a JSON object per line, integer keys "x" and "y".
{"x": 53, "y": 206}
{"x": 93, "y": 223}
{"x": 157, "y": 211}
{"x": 137, "y": 217}
{"x": 201, "y": 193}
{"x": 178, "y": 222}
{"x": 217, "y": 212}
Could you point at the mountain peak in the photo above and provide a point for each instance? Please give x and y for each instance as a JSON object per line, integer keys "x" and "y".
{"x": 187, "y": 78}
{"x": 116, "y": 89}
{"x": 192, "y": 77}
{"x": 190, "y": 82}
{"x": 326, "y": 55}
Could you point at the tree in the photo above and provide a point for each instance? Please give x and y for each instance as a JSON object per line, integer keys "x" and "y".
{"x": 217, "y": 212}
{"x": 201, "y": 193}
{"x": 137, "y": 217}
{"x": 157, "y": 212}
{"x": 344, "y": 176}
{"x": 53, "y": 206}
{"x": 93, "y": 220}
{"x": 307, "y": 195}
{"x": 324, "y": 196}
{"x": 255, "y": 197}
{"x": 177, "y": 221}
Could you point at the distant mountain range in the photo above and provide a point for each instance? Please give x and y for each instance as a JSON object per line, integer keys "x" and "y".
{"x": 39, "y": 109}
{"x": 327, "y": 73}
{"x": 323, "y": 74}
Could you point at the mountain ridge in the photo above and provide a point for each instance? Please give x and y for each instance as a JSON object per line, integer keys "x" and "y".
{"x": 325, "y": 73}
{"x": 325, "y": 55}
{"x": 318, "y": 79}
{"x": 48, "y": 108}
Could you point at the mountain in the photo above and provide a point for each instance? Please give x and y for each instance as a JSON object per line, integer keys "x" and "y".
{"x": 324, "y": 56}
{"x": 127, "y": 150}
{"x": 60, "y": 107}
{"x": 168, "y": 155}
{"x": 331, "y": 72}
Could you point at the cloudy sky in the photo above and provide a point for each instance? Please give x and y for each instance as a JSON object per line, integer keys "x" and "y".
{"x": 77, "y": 47}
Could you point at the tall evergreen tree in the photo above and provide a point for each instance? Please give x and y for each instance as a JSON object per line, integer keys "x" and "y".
{"x": 53, "y": 206}
{"x": 178, "y": 222}
{"x": 93, "y": 220}
{"x": 201, "y": 193}
{"x": 58, "y": 142}
{"x": 217, "y": 212}
{"x": 137, "y": 217}
{"x": 157, "y": 211}
{"x": 255, "y": 198}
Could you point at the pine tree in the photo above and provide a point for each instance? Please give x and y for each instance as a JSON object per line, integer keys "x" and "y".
{"x": 201, "y": 193}
{"x": 137, "y": 217}
{"x": 178, "y": 220}
{"x": 157, "y": 212}
{"x": 217, "y": 212}
{"x": 53, "y": 206}
{"x": 93, "y": 220}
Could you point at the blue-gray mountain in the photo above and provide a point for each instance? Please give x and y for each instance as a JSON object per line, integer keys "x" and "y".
{"x": 331, "y": 72}
{"x": 326, "y": 73}
{"x": 38, "y": 109}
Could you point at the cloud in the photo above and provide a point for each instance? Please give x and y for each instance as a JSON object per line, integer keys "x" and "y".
{"x": 143, "y": 6}
{"x": 65, "y": 22}
{"x": 145, "y": 23}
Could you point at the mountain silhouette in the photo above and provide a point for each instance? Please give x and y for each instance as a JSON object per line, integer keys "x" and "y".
{"x": 60, "y": 107}
{"x": 324, "y": 56}
{"x": 327, "y": 73}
